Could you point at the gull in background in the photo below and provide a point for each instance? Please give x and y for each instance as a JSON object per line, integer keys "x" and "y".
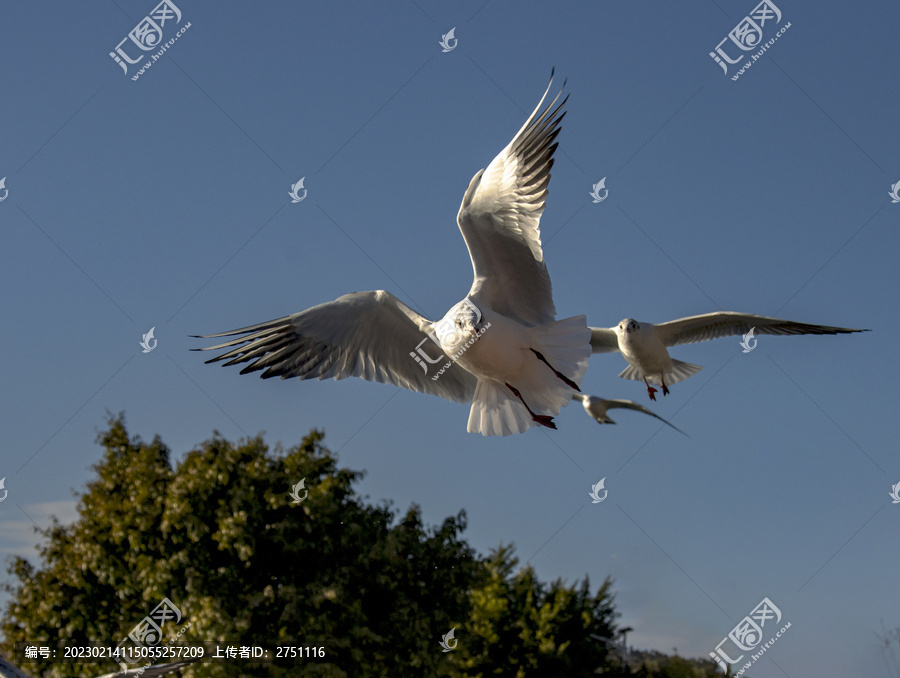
{"x": 596, "y": 408}
{"x": 644, "y": 345}
{"x": 511, "y": 359}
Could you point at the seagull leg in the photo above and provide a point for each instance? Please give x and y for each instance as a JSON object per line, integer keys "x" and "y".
{"x": 651, "y": 391}
{"x": 568, "y": 382}
{"x": 665, "y": 388}
{"x": 542, "y": 419}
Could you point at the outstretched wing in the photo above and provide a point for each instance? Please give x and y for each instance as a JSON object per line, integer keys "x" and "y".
{"x": 499, "y": 219}
{"x": 631, "y": 405}
{"x": 726, "y": 324}
{"x": 603, "y": 340}
{"x": 365, "y": 334}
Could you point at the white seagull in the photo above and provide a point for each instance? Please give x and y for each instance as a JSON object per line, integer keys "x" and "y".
{"x": 500, "y": 348}
{"x": 596, "y": 408}
{"x": 644, "y": 345}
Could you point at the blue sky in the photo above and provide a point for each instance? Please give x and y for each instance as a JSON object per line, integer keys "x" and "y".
{"x": 163, "y": 202}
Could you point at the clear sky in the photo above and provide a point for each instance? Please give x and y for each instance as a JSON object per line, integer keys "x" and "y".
{"x": 163, "y": 202}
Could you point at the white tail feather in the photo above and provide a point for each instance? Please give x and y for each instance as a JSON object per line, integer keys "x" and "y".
{"x": 496, "y": 411}
{"x": 565, "y": 345}
{"x": 631, "y": 372}
{"x": 679, "y": 372}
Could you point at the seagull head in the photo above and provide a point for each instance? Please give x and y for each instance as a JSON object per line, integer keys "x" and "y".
{"x": 596, "y": 409}
{"x": 468, "y": 315}
{"x": 461, "y": 323}
{"x": 629, "y": 325}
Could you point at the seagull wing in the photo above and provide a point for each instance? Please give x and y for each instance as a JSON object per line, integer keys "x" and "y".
{"x": 604, "y": 340}
{"x": 499, "y": 219}
{"x": 365, "y": 334}
{"x": 726, "y": 323}
{"x": 631, "y": 405}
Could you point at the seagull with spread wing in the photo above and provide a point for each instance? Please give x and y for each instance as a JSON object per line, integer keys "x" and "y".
{"x": 645, "y": 345}
{"x": 500, "y": 348}
{"x": 596, "y": 408}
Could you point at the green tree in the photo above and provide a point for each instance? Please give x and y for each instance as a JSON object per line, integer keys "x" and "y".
{"x": 220, "y": 536}
{"x": 520, "y": 627}
{"x": 659, "y": 665}
{"x": 96, "y": 570}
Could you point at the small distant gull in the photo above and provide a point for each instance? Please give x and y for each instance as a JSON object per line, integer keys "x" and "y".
{"x": 644, "y": 345}
{"x": 500, "y": 348}
{"x": 596, "y": 408}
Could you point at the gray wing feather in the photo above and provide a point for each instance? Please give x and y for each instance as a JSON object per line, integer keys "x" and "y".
{"x": 499, "y": 219}
{"x": 365, "y": 334}
{"x": 631, "y": 405}
{"x": 726, "y": 323}
{"x": 603, "y": 340}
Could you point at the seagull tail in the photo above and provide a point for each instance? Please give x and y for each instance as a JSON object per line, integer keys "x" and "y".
{"x": 631, "y": 372}
{"x": 681, "y": 371}
{"x": 496, "y": 412}
{"x": 565, "y": 348}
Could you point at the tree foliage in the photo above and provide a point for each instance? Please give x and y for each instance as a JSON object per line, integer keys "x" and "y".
{"x": 221, "y": 537}
{"x": 659, "y": 665}
{"x": 520, "y": 627}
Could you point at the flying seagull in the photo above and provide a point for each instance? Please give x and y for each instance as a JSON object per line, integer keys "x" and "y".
{"x": 500, "y": 348}
{"x": 596, "y": 408}
{"x": 644, "y": 345}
